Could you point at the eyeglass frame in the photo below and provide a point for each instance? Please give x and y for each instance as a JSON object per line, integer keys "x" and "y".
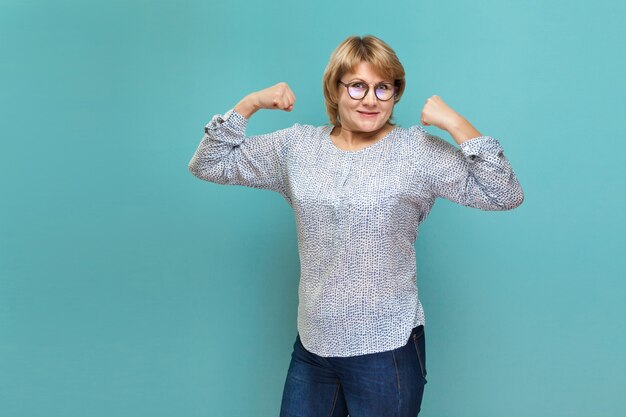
{"x": 347, "y": 85}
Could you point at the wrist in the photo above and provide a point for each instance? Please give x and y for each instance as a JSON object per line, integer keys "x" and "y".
{"x": 247, "y": 106}
{"x": 462, "y": 130}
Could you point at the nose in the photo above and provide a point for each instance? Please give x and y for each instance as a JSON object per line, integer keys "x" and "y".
{"x": 370, "y": 97}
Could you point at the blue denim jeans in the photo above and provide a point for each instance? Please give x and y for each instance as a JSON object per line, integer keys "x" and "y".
{"x": 383, "y": 384}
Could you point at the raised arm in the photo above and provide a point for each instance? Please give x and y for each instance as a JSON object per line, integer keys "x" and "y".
{"x": 477, "y": 174}
{"x": 226, "y": 155}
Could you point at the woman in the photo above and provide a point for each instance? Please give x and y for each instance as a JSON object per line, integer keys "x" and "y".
{"x": 359, "y": 188}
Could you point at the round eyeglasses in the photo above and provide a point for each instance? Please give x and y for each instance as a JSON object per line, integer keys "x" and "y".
{"x": 357, "y": 90}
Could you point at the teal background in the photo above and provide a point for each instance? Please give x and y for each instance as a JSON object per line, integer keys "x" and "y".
{"x": 128, "y": 287}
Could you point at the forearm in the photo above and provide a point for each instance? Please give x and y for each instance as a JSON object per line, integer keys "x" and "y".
{"x": 462, "y": 130}
{"x": 247, "y": 106}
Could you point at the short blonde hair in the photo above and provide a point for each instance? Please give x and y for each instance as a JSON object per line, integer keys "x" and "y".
{"x": 351, "y": 52}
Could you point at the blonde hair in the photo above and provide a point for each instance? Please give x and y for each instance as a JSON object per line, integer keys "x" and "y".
{"x": 351, "y": 52}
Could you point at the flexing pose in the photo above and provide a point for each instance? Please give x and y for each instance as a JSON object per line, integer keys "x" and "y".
{"x": 359, "y": 188}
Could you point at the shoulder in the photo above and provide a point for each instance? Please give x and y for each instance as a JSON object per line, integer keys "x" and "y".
{"x": 311, "y": 129}
{"x": 411, "y": 133}
{"x": 305, "y": 138}
{"x": 303, "y": 129}
{"x": 304, "y": 134}
{"x": 422, "y": 147}
{"x": 424, "y": 141}
{"x": 311, "y": 133}
{"x": 415, "y": 136}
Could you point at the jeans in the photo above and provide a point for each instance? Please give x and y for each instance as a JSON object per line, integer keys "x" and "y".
{"x": 382, "y": 384}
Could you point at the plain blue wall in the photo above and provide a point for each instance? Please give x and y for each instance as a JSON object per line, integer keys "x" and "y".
{"x": 130, "y": 288}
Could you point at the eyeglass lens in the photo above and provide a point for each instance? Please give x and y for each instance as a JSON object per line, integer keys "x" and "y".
{"x": 358, "y": 90}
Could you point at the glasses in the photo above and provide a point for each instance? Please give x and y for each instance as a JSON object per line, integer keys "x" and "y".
{"x": 357, "y": 90}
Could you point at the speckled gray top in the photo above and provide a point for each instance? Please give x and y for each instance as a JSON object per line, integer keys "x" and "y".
{"x": 357, "y": 215}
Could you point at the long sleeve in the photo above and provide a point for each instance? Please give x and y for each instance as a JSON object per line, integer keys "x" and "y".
{"x": 227, "y": 156}
{"x": 477, "y": 174}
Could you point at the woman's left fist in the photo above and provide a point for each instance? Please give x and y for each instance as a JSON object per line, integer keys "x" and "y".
{"x": 437, "y": 113}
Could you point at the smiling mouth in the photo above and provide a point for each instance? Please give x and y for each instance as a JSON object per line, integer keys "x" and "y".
{"x": 364, "y": 112}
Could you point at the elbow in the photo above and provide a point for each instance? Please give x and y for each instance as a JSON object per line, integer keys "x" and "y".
{"x": 207, "y": 172}
{"x": 194, "y": 168}
{"x": 502, "y": 201}
{"x": 511, "y": 196}
{"x": 517, "y": 195}
{"x": 516, "y": 198}
{"x": 198, "y": 170}
{"x": 520, "y": 198}
{"x": 516, "y": 201}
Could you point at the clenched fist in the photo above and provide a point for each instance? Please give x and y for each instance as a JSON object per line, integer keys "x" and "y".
{"x": 437, "y": 113}
{"x": 276, "y": 97}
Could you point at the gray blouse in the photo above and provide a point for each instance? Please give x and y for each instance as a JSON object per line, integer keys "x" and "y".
{"x": 357, "y": 215}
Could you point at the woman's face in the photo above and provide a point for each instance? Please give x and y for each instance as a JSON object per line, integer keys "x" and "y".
{"x": 368, "y": 114}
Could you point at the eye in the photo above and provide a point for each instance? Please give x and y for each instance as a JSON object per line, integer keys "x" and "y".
{"x": 357, "y": 84}
{"x": 385, "y": 86}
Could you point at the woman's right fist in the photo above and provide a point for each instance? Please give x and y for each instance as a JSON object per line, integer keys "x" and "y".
{"x": 278, "y": 96}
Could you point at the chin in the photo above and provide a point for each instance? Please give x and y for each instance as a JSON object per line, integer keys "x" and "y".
{"x": 371, "y": 128}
